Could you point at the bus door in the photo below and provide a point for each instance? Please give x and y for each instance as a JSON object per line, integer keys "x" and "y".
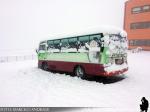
{"x": 42, "y": 52}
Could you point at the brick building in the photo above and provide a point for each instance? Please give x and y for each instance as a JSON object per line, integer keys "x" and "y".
{"x": 137, "y": 23}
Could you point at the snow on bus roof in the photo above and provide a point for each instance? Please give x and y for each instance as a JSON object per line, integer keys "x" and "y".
{"x": 91, "y": 30}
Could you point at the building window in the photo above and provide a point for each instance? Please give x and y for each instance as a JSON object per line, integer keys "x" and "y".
{"x": 136, "y": 10}
{"x": 131, "y": 42}
{"x": 140, "y": 9}
{"x": 139, "y": 42}
{"x": 146, "y": 8}
{"x": 140, "y": 25}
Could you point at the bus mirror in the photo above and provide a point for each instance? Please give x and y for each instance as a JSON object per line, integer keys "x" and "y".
{"x": 37, "y": 51}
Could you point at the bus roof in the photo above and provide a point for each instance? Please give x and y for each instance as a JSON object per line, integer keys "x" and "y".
{"x": 89, "y": 31}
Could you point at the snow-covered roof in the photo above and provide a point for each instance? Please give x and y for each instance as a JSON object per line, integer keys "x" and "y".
{"x": 91, "y": 30}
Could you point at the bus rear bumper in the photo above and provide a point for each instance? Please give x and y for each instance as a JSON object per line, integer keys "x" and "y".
{"x": 117, "y": 72}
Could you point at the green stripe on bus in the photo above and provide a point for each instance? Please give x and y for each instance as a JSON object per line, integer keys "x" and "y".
{"x": 71, "y": 57}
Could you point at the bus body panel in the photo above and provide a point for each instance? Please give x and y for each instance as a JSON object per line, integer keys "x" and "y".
{"x": 90, "y": 68}
{"x": 96, "y": 53}
{"x": 65, "y": 56}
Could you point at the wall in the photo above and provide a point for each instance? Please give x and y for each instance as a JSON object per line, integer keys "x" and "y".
{"x": 137, "y": 34}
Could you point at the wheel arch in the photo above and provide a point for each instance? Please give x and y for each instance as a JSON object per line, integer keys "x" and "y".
{"x": 80, "y": 66}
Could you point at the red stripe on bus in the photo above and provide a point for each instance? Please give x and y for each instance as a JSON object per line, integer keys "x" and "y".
{"x": 90, "y": 68}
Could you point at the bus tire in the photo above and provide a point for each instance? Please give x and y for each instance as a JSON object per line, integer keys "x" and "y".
{"x": 45, "y": 66}
{"x": 80, "y": 72}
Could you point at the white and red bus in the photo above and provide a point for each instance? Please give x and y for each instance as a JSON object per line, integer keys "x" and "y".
{"x": 98, "y": 53}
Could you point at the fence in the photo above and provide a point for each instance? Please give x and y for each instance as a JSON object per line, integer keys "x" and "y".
{"x": 17, "y": 58}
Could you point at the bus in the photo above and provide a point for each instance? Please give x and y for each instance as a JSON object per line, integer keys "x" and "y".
{"x": 98, "y": 53}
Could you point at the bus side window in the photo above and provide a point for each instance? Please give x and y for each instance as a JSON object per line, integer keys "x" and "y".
{"x": 57, "y": 44}
{"x": 50, "y": 44}
{"x": 72, "y": 42}
{"x": 96, "y": 38}
{"x": 65, "y": 43}
{"x": 83, "y": 40}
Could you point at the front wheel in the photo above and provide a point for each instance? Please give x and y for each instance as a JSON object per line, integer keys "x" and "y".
{"x": 79, "y": 72}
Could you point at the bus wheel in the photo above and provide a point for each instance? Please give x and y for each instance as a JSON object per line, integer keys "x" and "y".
{"x": 79, "y": 72}
{"x": 45, "y": 66}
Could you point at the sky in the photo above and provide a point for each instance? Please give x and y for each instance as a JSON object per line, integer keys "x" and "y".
{"x": 23, "y": 23}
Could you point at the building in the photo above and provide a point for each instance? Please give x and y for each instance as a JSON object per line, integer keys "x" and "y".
{"x": 137, "y": 23}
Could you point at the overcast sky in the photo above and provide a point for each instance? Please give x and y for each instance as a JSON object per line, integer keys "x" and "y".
{"x": 23, "y": 23}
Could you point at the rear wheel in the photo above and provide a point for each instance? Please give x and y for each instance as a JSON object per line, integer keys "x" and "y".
{"x": 79, "y": 72}
{"x": 45, "y": 66}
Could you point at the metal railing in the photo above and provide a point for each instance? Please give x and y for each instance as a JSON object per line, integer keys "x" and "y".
{"x": 17, "y": 58}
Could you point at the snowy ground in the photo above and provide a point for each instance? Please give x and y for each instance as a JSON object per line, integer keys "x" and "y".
{"x": 23, "y": 84}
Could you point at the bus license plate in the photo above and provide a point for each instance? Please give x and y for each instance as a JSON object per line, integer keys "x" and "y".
{"x": 119, "y": 61}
